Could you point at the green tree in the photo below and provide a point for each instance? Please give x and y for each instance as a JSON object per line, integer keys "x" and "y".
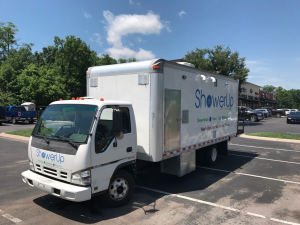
{"x": 120, "y": 60}
{"x": 284, "y": 98}
{"x": 268, "y": 88}
{"x": 105, "y": 59}
{"x": 295, "y": 105}
{"x": 219, "y": 60}
{"x": 7, "y": 39}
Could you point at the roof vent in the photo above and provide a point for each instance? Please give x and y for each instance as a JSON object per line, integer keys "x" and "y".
{"x": 186, "y": 64}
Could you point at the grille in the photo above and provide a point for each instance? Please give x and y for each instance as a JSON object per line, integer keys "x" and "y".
{"x": 50, "y": 171}
{"x": 38, "y": 167}
{"x": 63, "y": 175}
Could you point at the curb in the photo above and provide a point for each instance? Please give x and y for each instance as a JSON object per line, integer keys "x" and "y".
{"x": 270, "y": 139}
{"x": 14, "y": 137}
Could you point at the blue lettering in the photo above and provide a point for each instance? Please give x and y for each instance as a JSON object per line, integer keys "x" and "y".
{"x": 231, "y": 101}
{"x": 61, "y": 159}
{"x": 202, "y": 95}
{"x": 221, "y": 100}
{"x": 215, "y": 101}
{"x": 197, "y": 98}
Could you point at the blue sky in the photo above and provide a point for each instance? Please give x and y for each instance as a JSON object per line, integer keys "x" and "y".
{"x": 265, "y": 32}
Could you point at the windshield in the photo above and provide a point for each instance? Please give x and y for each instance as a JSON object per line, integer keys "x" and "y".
{"x": 295, "y": 113}
{"x": 249, "y": 108}
{"x": 66, "y": 122}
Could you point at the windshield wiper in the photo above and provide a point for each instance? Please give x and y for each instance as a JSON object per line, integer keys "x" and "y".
{"x": 67, "y": 139}
{"x": 44, "y": 136}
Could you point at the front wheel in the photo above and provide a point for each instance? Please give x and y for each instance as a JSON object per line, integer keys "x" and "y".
{"x": 120, "y": 189}
{"x": 253, "y": 118}
{"x": 211, "y": 155}
{"x": 31, "y": 121}
{"x": 278, "y": 115}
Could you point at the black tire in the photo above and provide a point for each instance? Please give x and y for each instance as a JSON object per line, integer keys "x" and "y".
{"x": 31, "y": 121}
{"x": 13, "y": 120}
{"x": 211, "y": 155}
{"x": 257, "y": 120}
{"x": 253, "y": 118}
{"x": 278, "y": 115}
{"x": 0, "y": 123}
{"x": 119, "y": 177}
{"x": 287, "y": 122}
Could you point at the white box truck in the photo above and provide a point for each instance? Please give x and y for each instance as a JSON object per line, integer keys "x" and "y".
{"x": 135, "y": 115}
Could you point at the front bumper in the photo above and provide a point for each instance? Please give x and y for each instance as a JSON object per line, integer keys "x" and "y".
{"x": 259, "y": 117}
{"x": 57, "y": 188}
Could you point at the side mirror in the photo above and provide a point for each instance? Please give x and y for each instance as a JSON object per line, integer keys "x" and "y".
{"x": 117, "y": 124}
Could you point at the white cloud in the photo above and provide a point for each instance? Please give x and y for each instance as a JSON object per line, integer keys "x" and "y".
{"x": 87, "y": 15}
{"x": 139, "y": 39}
{"x": 181, "y": 13}
{"x": 126, "y": 53}
{"x": 97, "y": 39}
{"x": 131, "y": 2}
{"x": 167, "y": 26}
{"x": 124, "y": 24}
{"x": 256, "y": 66}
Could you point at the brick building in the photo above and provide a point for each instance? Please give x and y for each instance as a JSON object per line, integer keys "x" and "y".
{"x": 254, "y": 98}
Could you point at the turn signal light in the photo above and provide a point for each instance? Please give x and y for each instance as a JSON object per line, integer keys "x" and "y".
{"x": 82, "y": 98}
{"x": 101, "y": 99}
{"x": 155, "y": 67}
{"x": 60, "y": 99}
{"x": 73, "y": 98}
{"x": 77, "y": 98}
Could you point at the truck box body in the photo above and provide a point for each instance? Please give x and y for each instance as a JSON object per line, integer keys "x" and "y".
{"x": 175, "y": 108}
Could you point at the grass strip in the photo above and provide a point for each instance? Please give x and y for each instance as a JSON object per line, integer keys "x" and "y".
{"x": 275, "y": 135}
{"x": 24, "y": 133}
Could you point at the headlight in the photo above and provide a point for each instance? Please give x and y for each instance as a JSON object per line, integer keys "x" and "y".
{"x": 30, "y": 165}
{"x": 82, "y": 177}
{"x": 259, "y": 114}
{"x": 289, "y": 118}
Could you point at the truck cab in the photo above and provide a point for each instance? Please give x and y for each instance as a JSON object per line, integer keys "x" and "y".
{"x": 81, "y": 148}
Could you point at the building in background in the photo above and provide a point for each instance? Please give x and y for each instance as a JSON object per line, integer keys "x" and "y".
{"x": 251, "y": 96}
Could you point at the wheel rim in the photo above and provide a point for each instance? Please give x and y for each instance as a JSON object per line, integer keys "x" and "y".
{"x": 118, "y": 189}
{"x": 253, "y": 118}
{"x": 278, "y": 115}
{"x": 14, "y": 120}
{"x": 214, "y": 154}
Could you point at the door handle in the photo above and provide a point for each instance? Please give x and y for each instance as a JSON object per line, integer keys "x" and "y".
{"x": 179, "y": 119}
{"x": 129, "y": 149}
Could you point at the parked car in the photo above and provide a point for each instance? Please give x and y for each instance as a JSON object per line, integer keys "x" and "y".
{"x": 19, "y": 113}
{"x": 246, "y": 113}
{"x": 2, "y": 115}
{"x": 277, "y": 112}
{"x": 293, "y": 117}
{"x": 265, "y": 112}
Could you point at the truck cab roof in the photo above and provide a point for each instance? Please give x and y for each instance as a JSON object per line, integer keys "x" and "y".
{"x": 89, "y": 101}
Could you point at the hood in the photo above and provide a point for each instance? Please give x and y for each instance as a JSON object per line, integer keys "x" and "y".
{"x": 257, "y": 112}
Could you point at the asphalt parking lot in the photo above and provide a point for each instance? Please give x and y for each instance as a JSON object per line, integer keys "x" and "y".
{"x": 257, "y": 183}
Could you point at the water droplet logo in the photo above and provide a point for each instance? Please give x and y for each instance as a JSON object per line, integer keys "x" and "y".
{"x": 43, "y": 154}
{"x": 209, "y": 101}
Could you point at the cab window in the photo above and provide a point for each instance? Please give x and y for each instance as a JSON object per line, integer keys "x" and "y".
{"x": 104, "y": 132}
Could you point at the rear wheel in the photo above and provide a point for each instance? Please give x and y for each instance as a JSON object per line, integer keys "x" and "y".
{"x": 31, "y": 121}
{"x": 278, "y": 115}
{"x": 120, "y": 189}
{"x": 211, "y": 155}
{"x": 0, "y": 123}
{"x": 13, "y": 120}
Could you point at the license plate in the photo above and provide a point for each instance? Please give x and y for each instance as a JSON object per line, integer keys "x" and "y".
{"x": 41, "y": 185}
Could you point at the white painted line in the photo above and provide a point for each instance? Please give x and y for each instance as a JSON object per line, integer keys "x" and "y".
{"x": 11, "y": 218}
{"x": 216, "y": 205}
{"x": 250, "y": 175}
{"x": 275, "y": 160}
{"x": 283, "y": 221}
{"x": 276, "y": 149}
{"x": 292, "y": 133}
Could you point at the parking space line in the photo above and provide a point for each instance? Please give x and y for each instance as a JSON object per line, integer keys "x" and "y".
{"x": 216, "y": 205}
{"x": 15, "y": 164}
{"x": 250, "y": 175}
{"x": 275, "y": 160}
{"x": 276, "y": 149}
{"x": 11, "y": 218}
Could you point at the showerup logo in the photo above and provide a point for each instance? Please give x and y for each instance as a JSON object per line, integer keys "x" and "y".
{"x": 221, "y": 101}
{"x": 53, "y": 157}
